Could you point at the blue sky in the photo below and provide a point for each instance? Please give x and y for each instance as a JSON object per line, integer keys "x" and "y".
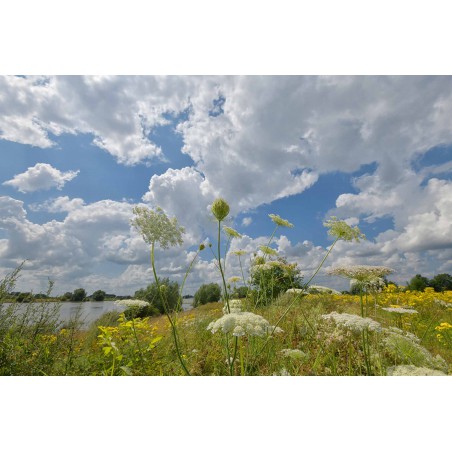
{"x": 79, "y": 152}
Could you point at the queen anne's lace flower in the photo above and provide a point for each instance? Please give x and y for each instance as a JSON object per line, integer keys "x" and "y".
{"x": 242, "y": 324}
{"x": 234, "y": 305}
{"x": 280, "y": 221}
{"x": 267, "y": 250}
{"x": 156, "y": 227}
{"x": 231, "y": 232}
{"x": 341, "y": 230}
{"x": 352, "y": 322}
{"x": 401, "y": 310}
{"x": 412, "y": 371}
{"x": 293, "y": 353}
{"x": 138, "y": 304}
{"x": 361, "y": 273}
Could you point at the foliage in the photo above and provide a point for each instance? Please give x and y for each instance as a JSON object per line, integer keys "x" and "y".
{"x": 98, "y": 295}
{"x": 441, "y": 282}
{"x": 207, "y": 293}
{"x": 78, "y": 295}
{"x": 270, "y": 279}
{"x": 168, "y": 298}
{"x": 240, "y": 292}
{"x": 418, "y": 282}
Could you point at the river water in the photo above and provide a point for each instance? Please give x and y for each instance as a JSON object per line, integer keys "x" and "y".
{"x": 86, "y": 311}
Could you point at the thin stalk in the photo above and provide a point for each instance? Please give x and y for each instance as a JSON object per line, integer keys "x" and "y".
{"x": 173, "y": 326}
{"x": 225, "y": 289}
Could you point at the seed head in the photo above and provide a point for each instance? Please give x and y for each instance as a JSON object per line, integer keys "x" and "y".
{"x": 231, "y": 232}
{"x": 280, "y": 221}
{"x": 220, "y": 209}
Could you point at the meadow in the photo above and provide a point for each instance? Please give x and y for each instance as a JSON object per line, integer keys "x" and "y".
{"x": 282, "y": 325}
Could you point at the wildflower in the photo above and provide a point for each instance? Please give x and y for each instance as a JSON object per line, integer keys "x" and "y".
{"x": 361, "y": 273}
{"x": 132, "y": 303}
{"x": 234, "y": 279}
{"x": 220, "y": 209}
{"x": 352, "y": 322}
{"x": 231, "y": 232}
{"x": 234, "y": 305}
{"x": 342, "y": 231}
{"x": 442, "y": 303}
{"x": 156, "y": 227}
{"x": 280, "y": 221}
{"x": 239, "y": 252}
{"x": 202, "y": 246}
{"x": 295, "y": 291}
{"x": 241, "y": 324}
{"x": 412, "y": 371}
{"x": 282, "y": 373}
{"x": 399, "y": 310}
{"x": 443, "y": 326}
{"x": 293, "y": 353}
{"x": 268, "y": 250}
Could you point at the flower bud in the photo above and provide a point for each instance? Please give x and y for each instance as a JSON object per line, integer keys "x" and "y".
{"x": 220, "y": 209}
{"x": 202, "y": 246}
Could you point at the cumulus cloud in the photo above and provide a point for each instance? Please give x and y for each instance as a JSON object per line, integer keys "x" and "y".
{"x": 60, "y": 204}
{"x": 42, "y": 176}
{"x": 246, "y": 221}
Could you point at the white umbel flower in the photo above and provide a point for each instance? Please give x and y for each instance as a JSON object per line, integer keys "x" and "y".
{"x": 132, "y": 303}
{"x": 234, "y": 305}
{"x": 353, "y": 322}
{"x": 413, "y": 371}
{"x": 242, "y": 324}
{"x": 401, "y": 310}
{"x": 293, "y": 353}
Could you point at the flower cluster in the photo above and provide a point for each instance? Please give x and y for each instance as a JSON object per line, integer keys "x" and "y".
{"x": 234, "y": 305}
{"x": 241, "y": 324}
{"x": 399, "y": 310}
{"x": 412, "y": 371}
{"x": 322, "y": 289}
{"x": 352, "y": 322}
{"x": 295, "y": 291}
{"x": 267, "y": 250}
{"x": 137, "y": 304}
{"x": 361, "y": 273}
{"x": 232, "y": 233}
{"x": 342, "y": 231}
{"x": 156, "y": 227}
{"x": 280, "y": 221}
{"x": 292, "y": 353}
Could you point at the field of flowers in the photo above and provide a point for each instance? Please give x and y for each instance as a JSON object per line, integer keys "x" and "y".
{"x": 282, "y": 327}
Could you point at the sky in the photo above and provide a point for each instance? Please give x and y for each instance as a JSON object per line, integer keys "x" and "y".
{"x": 79, "y": 152}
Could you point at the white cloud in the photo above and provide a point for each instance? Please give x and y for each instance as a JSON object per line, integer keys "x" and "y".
{"x": 60, "y": 204}
{"x": 42, "y": 176}
{"x": 246, "y": 221}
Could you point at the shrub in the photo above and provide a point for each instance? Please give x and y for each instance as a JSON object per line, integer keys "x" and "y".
{"x": 169, "y": 292}
{"x": 207, "y": 293}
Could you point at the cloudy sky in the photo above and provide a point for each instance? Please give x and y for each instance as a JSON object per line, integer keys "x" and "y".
{"x": 78, "y": 153}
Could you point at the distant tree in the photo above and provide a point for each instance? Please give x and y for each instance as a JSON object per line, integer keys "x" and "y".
{"x": 169, "y": 292}
{"x": 98, "y": 295}
{"x": 418, "y": 282}
{"x": 240, "y": 292}
{"x": 441, "y": 282}
{"x": 66, "y": 296}
{"x": 207, "y": 293}
{"x": 24, "y": 297}
{"x": 78, "y": 295}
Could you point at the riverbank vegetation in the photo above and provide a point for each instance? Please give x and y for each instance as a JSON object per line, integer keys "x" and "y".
{"x": 270, "y": 321}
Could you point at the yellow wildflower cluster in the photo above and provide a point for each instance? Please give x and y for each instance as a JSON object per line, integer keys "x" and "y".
{"x": 444, "y": 330}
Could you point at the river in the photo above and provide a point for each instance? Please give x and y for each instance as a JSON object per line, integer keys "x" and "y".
{"x": 87, "y": 311}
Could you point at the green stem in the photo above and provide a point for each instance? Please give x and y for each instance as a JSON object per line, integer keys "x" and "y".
{"x": 173, "y": 326}
{"x": 225, "y": 289}
{"x": 136, "y": 339}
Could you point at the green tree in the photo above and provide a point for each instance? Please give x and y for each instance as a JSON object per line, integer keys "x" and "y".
{"x": 271, "y": 278}
{"x": 418, "y": 282}
{"x": 78, "y": 295}
{"x": 98, "y": 295}
{"x": 207, "y": 293}
{"x": 170, "y": 296}
{"x": 441, "y": 282}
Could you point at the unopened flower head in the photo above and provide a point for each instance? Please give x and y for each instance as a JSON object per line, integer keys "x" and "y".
{"x": 220, "y": 209}
{"x": 134, "y": 304}
{"x": 352, "y": 322}
{"x": 268, "y": 250}
{"x": 234, "y": 279}
{"x": 156, "y": 227}
{"x": 280, "y": 221}
{"x": 231, "y": 232}
{"x": 360, "y": 273}
{"x": 241, "y": 324}
{"x": 342, "y": 231}
{"x": 239, "y": 252}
